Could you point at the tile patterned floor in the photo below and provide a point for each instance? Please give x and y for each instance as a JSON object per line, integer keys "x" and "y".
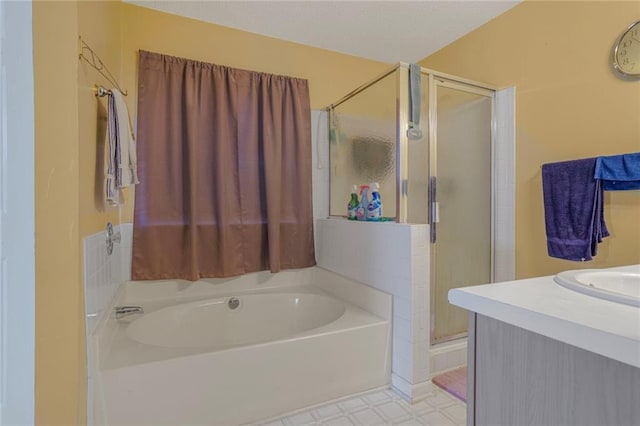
{"x": 382, "y": 407}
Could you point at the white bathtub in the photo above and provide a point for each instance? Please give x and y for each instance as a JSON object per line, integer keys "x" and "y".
{"x": 295, "y": 339}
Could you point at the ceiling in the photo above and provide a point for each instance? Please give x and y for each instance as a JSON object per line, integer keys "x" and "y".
{"x": 386, "y": 31}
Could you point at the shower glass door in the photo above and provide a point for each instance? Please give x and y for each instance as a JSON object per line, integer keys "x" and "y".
{"x": 460, "y": 198}
{"x": 362, "y": 144}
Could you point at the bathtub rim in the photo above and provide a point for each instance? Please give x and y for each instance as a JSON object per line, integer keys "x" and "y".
{"x": 339, "y": 309}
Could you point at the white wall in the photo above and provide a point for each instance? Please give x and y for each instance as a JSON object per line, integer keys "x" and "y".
{"x": 505, "y": 186}
{"x": 17, "y": 268}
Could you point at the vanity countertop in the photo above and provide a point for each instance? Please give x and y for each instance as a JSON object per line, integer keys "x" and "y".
{"x": 540, "y": 305}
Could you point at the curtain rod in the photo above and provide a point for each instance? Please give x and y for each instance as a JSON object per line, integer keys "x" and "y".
{"x": 94, "y": 61}
{"x": 366, "y": 85}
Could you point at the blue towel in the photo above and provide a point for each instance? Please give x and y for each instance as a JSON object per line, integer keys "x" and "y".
{"x": 573, "y": 209}
{"x": 619, "y": 172}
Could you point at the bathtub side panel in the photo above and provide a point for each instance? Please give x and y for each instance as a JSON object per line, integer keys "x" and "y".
{"x": 250, "y": 383}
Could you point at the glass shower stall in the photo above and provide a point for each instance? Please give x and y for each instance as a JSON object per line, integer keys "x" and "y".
{"x": 427, "y": 138}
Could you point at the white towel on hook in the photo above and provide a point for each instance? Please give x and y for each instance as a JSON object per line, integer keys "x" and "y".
{"x": 122, "y": 167}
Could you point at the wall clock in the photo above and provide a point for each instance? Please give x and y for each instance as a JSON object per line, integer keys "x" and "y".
{"x": 626, "y": 52}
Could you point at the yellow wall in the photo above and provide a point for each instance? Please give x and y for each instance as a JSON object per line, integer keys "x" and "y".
{"x": 70, "y": 131}
{"x": 569, "y": 105}
{"x": 70, "y": 141}
{"x": 59, "y": 363}
{"x": 331, "y": 75}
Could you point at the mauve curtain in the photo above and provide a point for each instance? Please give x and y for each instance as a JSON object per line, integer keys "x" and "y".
{"x": 224, "y": 160}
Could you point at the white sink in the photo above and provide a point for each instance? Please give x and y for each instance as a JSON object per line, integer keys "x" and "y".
{"x": 617, "y": 286}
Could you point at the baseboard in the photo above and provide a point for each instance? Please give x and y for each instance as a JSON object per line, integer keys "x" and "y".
{"x": 447, "y": 356}
{"x": 412, "y": 393}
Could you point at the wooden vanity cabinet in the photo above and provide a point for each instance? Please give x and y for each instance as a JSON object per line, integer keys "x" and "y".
{"x": 517, "y": 377}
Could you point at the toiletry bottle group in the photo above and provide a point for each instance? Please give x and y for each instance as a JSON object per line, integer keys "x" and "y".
{"x": 364, "y": 209}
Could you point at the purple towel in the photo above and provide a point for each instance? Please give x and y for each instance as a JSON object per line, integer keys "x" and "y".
{"x": 573, "y": 209}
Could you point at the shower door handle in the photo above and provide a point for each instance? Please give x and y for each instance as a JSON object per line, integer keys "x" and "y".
{"x": 433, "y": 209}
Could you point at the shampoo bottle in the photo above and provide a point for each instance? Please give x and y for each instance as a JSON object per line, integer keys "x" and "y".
{"x": 374, "y": 209}
{"x": 352, "y": 207}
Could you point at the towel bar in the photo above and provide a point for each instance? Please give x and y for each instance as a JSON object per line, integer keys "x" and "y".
{"x": 100, "y": 91}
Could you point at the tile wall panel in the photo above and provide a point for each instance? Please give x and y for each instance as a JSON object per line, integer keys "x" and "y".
{"x": 393, "y": 258}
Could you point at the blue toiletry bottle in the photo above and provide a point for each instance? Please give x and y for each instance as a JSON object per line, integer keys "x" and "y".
{"x": 352, "y": 207}
{"x": 361, "y": 212}
{"x": 374, "y": 209}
